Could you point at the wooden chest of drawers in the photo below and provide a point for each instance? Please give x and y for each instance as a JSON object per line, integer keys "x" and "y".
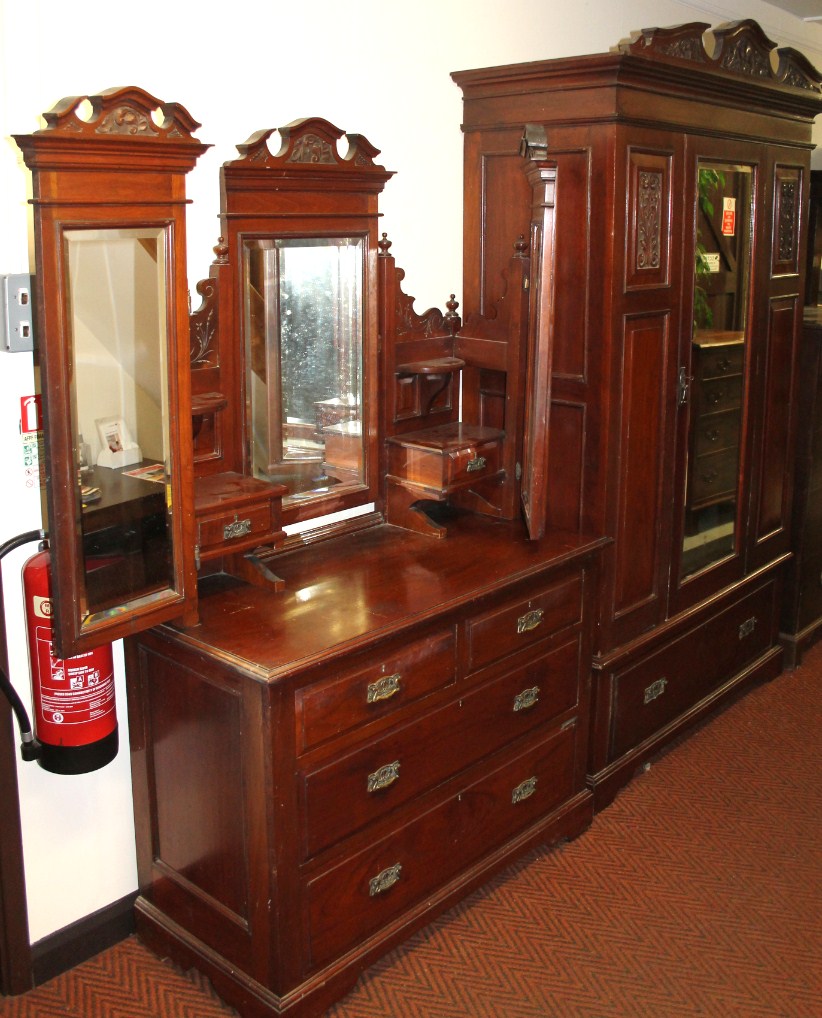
{"x": 318, "y": 772}
{"x": 717, "y": 388}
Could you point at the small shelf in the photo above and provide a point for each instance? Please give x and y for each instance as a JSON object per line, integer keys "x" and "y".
{"x": 435, "y": 366}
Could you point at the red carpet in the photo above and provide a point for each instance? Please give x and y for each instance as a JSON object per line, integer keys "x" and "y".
{"x": 698, "y": 892}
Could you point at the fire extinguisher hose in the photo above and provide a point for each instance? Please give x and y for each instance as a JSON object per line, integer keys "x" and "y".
{"x": 29, "y": 747}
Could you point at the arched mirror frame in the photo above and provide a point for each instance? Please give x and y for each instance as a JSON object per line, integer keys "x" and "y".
{"x": 121, "y": 170}
{"x": 308, "y": 191}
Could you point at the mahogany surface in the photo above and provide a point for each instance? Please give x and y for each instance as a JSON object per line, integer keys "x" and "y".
{"x": 293, "y": 820}
{"x": 623, "y": 133}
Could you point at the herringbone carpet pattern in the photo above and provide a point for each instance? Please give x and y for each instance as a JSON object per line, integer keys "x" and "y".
{"x": 697, "y": 893}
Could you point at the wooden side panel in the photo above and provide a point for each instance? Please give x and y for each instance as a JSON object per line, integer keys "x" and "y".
{"x": 644, "y": 370}
{"x": 774, "y": 501}
{"x": 772, "y": 476}
{"x": 567, "y": 455}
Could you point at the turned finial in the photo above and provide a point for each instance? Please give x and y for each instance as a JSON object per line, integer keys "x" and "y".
{"x": 384, "y": 244}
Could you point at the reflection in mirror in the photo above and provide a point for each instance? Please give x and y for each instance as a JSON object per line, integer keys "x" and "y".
{"x": 120, "y": 412}
{"x": 720, "y": 310}
{"x": 304, "y": 346}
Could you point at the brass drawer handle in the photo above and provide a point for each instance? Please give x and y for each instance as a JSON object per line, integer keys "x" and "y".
{"x": 384, "y": 688}
{"x": 239, "y": 528}
{"x": 747, "y": 627}
{"x": 527, "y": 699}
{"x": 384, "y": 776}
{"x": 530, "y": 620}
{"x": 655, "y": 690}
{"x": 476, "y": 464}
{"x": 524, "y": 790}
{"x": 384, "y": 880}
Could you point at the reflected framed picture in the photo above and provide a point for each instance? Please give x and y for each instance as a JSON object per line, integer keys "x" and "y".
{"x": 117, "y": 448}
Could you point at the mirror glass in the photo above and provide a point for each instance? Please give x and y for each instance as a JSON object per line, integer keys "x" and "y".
{"x": 715, "y": 389}
{"x": 117, "y": 325}
{"x": 304, "y": 357}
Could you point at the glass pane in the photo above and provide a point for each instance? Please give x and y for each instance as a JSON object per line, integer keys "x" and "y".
{"x": 117, "y": 325}
{"x": 718, "y": 351}
{"x": 303, "y": 325}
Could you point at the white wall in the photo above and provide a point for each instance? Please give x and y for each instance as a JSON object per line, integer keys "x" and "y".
{"x": 375, "y": 67}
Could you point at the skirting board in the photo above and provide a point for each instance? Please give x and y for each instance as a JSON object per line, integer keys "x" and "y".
{"x": 80, "y": 941}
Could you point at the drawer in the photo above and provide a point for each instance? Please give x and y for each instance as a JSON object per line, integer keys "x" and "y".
{"x": 447, "y": 458}
{"x": 715, "y": 432}
{"x": 383, "y": 687}
{"x": 377, "y": 884}
{"x": 656, "y": 691}
{"x": 715, "y": 477}
{"x": 522, "y": 623}
{"x": 714, "y": 395}
{"x": 233, "y": 525}
{"x": 718, "y": 361}
{"x": 346, "y": 794}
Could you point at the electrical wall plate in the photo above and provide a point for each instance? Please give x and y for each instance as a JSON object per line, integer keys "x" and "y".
{"x": 16, "y": 313}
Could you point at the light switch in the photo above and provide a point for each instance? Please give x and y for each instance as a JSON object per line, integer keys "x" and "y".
{"x": 16, "y": 306}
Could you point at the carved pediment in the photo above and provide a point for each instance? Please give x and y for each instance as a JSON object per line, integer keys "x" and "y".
{"x": 740, "y": 48}
{"x": 311, "y": 142}
{"x": 128, "y": 111}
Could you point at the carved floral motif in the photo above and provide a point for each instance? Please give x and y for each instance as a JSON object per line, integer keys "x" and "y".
{"x": 786, "y": 221}
{"x": 649, "y": 220}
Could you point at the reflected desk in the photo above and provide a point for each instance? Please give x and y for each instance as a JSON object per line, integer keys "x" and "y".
{"x": 126, "y": 538}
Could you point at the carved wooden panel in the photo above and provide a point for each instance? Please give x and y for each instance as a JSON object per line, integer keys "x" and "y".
{"x": 787, "y": 200}
{"x": 649, "y": 219}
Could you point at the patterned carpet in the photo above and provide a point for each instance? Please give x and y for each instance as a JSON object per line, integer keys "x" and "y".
{"x": 698, "y": 892}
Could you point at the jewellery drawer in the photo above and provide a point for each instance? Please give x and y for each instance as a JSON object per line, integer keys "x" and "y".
{"x": 524, "y": 622}
{"x": 345, "y": 794}
{"x": 235, "y": 513}
{"x": 378, "y": 883}
{"x": 664, "y": 685}
{"x": 375, "y": 690}
{"x": 446, "y": 458}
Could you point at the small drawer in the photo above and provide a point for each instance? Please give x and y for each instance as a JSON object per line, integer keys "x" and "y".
{"x": 715, "y": 476}
{"x": 346, "y": 794}
{"x": 718, "y": 361}
{"x": 665, "y": 685}
{"x": 715, "y": 432}
{"x": 718, "y": 394}
{"x": 377, "y": 690}
{"x": 523, "y": 623}
{"x": 447, "y": 458}
{"x": 234, "y": 525}
{"x": 377, "y": 884}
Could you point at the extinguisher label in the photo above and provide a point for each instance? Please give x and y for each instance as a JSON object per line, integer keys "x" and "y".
{"x": 41, "y": 606}
{"x": 73, "y": 691}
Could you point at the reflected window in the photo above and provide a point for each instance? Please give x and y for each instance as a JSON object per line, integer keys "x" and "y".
{"x": 718, "y": 353}
{"x": 304, "y": 343}
{"x": 120, "y": 411}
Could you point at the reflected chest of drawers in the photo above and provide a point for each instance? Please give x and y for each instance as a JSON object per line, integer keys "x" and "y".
{"x": 319, "y": 772}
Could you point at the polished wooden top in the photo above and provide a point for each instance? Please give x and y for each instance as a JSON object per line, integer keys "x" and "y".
{"x": 347, "y": 592}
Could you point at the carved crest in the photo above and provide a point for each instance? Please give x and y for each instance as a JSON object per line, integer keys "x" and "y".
{"x": 740, "y": 48}
{"x": 122, "y": 111}
{"x": 312, "y": 142}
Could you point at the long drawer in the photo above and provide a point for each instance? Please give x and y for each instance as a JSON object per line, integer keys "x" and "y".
{"x": 358, "y": 896}
{"x": 344, "y": 794}
{"x": 649, "y": 695}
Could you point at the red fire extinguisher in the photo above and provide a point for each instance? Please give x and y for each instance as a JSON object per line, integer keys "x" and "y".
{"x": 75, "y": 715}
